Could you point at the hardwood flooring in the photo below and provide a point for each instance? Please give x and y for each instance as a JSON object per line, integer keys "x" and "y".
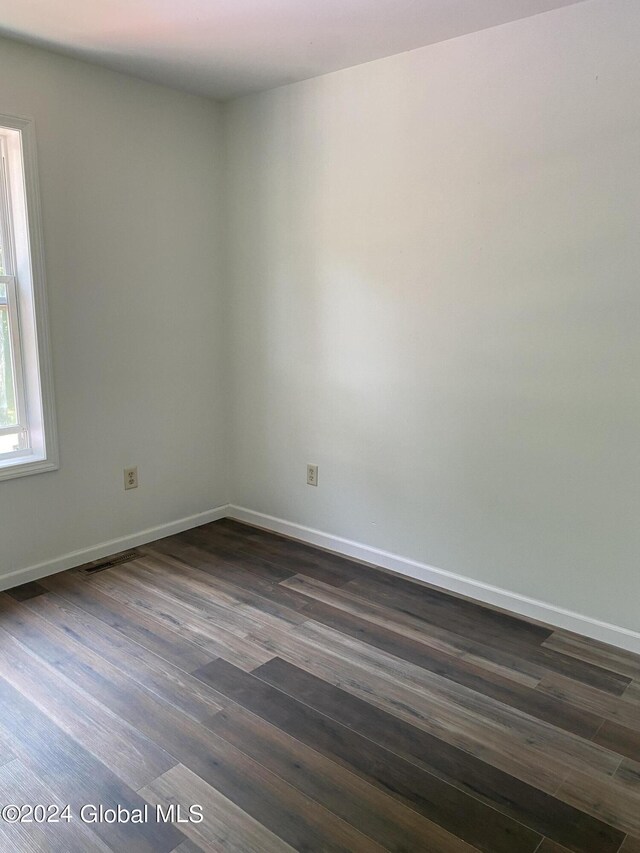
{"x": 304, "y": 702}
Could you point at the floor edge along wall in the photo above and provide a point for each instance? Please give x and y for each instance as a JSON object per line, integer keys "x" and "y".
{"x": 541, "y": 611}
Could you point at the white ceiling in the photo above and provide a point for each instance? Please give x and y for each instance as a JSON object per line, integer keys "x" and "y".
{"x": 225, "y": 48}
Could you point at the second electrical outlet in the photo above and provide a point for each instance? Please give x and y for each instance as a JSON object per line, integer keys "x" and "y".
{"x": 131, "y": 478}
{"x": 312, "y": 475}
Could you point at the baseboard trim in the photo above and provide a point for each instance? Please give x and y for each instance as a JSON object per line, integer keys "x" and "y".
{"x": 540, "y": 611}
{"x": 113, "y": 546}
{"x": 531, "y": 608}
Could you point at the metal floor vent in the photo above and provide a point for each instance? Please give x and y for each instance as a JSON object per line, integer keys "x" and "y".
{"x": 116, "y": 560}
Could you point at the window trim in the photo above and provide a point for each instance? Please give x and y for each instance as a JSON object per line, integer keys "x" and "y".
{"x": 42, "y": 454}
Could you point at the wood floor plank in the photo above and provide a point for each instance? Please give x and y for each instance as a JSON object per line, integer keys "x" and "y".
{"x": 611, "y": 800}
{"x": 19, "y": 785}
{"x": 425, "y": 692}
{"x": 219, "y": 590}
{"x": 224, "y": 553}
{"x": 295, "y": 547}
{"x": 464, "y": 672}
{"x": 361, "y": 804}
{"x": 134, "y": 625}
{"x": 438, "y": 716}
{"x": 6, "y": 753}
{"x": 485, "y": 657}
{"x": 591, "y": 651}
{"x": 158, "y": 675}
{"x": 629, "y": 773}
{"x": 270, "y": 800}
{"x": 96, "y": 679}
{"x": 314, "y": 704}
{"x": 286, "y": 554}
{"x": 76, "y": 777}
{"x": 239, "y": 573}
{"x": 444, "y": 609}
{"x": 619, "y": 709}
{"x": 441, "y": 639}
{"x": 536, "y": 809}
{"x": 224, "y": 826}
{"x": 539, "y": 755}
{"x": 120, "y": 747}
{"x": 185, "y": 600}
{"x": 439, "y": 802}
{"x": 631, "y": 845}
{"x": 189, "y": 846}
{"x": 619, "y": 739}
{"x": 203, "y": 632}
{"x": 632, "y": 693}
{"x": 287, "y": 813}
{"x": 503, "y": 663}
{"x": 548, "y": 846}
{"x": 207, "y": 598}
{"x": 489, "y": 630}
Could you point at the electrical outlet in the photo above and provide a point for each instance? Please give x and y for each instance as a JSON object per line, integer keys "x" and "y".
{"x": 312, "y": 475}
{"x": 131, "y": 478}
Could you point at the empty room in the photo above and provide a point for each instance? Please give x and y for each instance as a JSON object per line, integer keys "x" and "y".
{"x": 320, "y": 426}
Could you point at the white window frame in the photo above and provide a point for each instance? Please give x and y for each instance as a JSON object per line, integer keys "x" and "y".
{"x": 21, "y": 234}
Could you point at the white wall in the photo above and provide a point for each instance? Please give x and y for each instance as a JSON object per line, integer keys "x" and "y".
{"x": 431, "y": 291}
{"x": 131, "y": 197}
{"x": 434, "y": 262}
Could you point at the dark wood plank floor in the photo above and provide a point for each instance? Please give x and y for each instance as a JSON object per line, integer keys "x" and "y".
{"x": 306, "y": 702}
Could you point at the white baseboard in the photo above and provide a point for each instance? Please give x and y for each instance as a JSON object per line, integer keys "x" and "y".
{"x": 513, "y": 602}
{"x": 105, "y": 549}
{"x": 540, "y": 611}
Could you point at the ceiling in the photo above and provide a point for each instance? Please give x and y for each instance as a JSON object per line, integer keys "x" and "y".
{"x": 225, "y": 48}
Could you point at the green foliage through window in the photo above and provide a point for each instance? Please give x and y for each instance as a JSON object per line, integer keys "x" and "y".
{"x": 8, "y": 414}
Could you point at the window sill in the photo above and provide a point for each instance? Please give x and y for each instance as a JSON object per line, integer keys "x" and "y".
{"x": 23, "y": 466}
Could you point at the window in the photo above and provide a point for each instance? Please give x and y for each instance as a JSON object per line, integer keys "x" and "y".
{"x": 27, "y": 422}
